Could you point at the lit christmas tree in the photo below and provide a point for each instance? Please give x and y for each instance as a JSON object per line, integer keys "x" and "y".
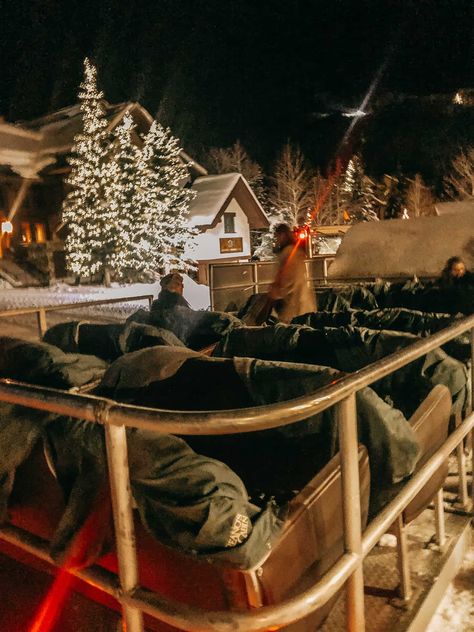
{"x": 167, "y": 200}
{"x": 129, "y": 256}
{"x": 85, "y": 210}
{"x": 127, "y": 213}
{"x": 357, "y": 193}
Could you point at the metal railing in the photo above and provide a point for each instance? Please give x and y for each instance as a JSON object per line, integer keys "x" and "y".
{"x": 347, "y": 570}
{"x": 42, "y": 310}
{"x": 236, "y": 282}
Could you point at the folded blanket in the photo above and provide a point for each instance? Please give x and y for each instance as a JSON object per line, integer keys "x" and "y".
{"x": 108, "y": 342}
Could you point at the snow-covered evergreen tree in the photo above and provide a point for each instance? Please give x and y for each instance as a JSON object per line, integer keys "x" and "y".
{"x": 167, "y": 199}
{"x": 264, "y": 250}
{"x": 130, "y": 257}
{"x": 357, "y": 193}
{"x": 127, "y": 212}
{"x": 85, "y": 212}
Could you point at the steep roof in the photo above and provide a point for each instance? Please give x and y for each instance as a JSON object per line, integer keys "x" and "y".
{"x": 59, "y": 128}
{"x": 52, "y": 136}
{"x": 19, "y": 150}
{"x": 214, "y": 194}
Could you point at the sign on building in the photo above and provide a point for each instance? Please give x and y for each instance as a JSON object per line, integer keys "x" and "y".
{"x": 231, "y": 244}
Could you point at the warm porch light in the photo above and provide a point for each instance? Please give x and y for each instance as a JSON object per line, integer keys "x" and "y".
{"x": 7, "y": 228}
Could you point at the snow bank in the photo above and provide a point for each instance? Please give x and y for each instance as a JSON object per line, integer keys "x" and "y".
{"x": 61, "y": 293}
{"x": 456, "y": 612}
{"x": 198, "y": 296}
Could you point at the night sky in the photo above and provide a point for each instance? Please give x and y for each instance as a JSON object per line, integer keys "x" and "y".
{"x": 258, "y": 70}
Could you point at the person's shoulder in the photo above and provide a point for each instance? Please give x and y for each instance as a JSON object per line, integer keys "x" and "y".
{"x": 469, "y": 278}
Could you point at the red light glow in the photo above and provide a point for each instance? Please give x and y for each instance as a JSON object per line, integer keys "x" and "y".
{"x": 87, "y": 544}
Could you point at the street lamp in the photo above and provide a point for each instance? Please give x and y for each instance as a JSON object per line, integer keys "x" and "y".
{"x": 7, "y": 228}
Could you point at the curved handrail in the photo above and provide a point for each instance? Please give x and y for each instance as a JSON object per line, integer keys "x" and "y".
{"x": 59, "y": 307}
{"x": 108, "y": 412}
{"x": 195, "y": 619}
{"x": 219, "y": 422}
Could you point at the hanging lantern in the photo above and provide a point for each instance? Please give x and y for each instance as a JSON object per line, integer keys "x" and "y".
{"x": 7, "y": 228}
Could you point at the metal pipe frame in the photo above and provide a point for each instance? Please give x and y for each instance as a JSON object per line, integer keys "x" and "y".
{"x": 225, "y": 421}
{"x": 41, "y": 310}
{"x": 58, "y": 308}
{"x": 463, "y": 495}
{"x": 439, "y": 519}
{"x": 194, "y": 619}
{"x": 403, "y": 562}
{"x": 117, "y": 459}
{"x": 346, "y": 415}
{"x": 472, "y": 409}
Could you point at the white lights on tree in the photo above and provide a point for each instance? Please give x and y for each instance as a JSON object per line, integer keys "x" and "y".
{"x": 357, "y": 192}
{"x": 89, "y": 220}
{"x": 127, "y": 212}
{"x": 167, "y": 199}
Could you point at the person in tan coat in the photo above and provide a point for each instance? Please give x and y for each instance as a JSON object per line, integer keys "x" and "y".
{"x": 290, "y": 293}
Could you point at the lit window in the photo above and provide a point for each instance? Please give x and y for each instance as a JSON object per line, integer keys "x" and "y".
{"x": 229, "y": 222}
{"x": 40, "y": 233}
{"x": 26, "y": 237}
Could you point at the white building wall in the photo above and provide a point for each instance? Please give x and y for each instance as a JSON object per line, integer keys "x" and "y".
{"x": 208, "y": 245}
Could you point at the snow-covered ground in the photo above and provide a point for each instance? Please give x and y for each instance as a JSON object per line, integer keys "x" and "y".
{"x": 61, "y": 293}
{"x": 456, "y": 612}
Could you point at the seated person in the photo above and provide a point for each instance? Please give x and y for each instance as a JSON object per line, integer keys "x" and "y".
{"x": 194, "y": 328}
{"x": 171, "y": 294}
{"x": 455, "y": 275}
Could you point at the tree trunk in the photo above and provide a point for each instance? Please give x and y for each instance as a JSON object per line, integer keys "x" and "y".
{"x": 106, "y": 277}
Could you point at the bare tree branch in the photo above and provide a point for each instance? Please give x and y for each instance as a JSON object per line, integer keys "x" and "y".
{"x": 460, "y": 182}
{"x": 291, "y": 194}
{"x": 419, "y": 199}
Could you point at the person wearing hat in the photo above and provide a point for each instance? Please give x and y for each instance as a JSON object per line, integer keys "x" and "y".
{"x": 171, "y": 294}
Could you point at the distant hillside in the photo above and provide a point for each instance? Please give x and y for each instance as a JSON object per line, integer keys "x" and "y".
{"x": 417, "y": 136}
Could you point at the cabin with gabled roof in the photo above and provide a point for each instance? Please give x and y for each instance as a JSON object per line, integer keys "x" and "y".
{"x": 224, "y": 211}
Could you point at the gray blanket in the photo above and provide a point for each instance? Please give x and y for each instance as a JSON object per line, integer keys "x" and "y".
{"x": 350, "y": 349}
{"x": 186, "y": 500}
{"x": 196, "y": 502}
{"x": 108, "y": 342}
{"x": 276, "y": 461}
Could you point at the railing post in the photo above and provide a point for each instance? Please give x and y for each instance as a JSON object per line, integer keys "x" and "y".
{"x": 461, "y": 459}
{"x": 211, "y": 285}
{"x": 439, "y": 518}
{"x": 347, "y": 425}
{"x": 42, "y": 325}
{"x": 117, "y": 460}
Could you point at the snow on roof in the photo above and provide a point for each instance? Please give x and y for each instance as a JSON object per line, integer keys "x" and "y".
{"x": 42, "y": 140}
{"x": 214, "y": 194}
{"x": 457, "y": 206}
{"x": 19, "y": 149}
{"x": 58, "y": 129}
{"x": 403, "y": 247}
